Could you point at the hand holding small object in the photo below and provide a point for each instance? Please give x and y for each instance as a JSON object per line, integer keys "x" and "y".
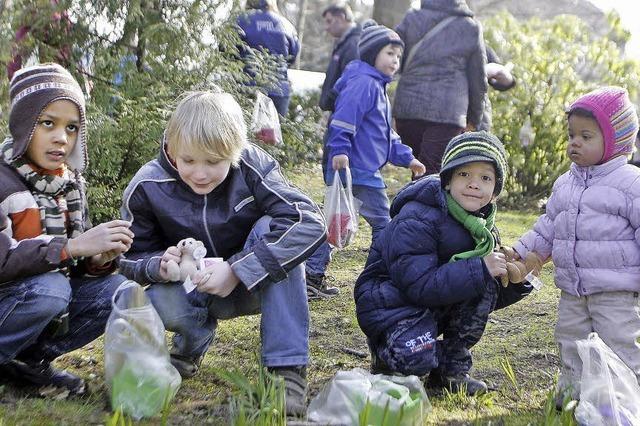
{"x": 496, "y": 263}
{"x": 217, "y": 279}
{"x": 107, "y": 240}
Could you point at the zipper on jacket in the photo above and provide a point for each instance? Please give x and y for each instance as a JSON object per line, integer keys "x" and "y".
{"x": 575, "y": 229}
{"x": 206, "y": 227}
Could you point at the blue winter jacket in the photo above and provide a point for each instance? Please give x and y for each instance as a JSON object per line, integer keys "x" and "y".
{"x": 361, "y": 128}
{"x": 164, "y": 210}
{"x": 408, "y": 267}
{"x": 271, "y": 32}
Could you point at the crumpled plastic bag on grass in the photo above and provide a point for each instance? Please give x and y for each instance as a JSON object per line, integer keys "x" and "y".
{"x": 358, "y": 397}
{"x": 265, "y": 122}
{"x": 609, "y": 391}
{"x": 138, "y": 372}
{"x": 341, "y": 211}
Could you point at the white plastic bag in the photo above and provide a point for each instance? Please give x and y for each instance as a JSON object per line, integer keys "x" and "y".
{"x": 358, "y": 397}
{"x": 138, "y": 372}
{"x": 265, "y": 123}
{"x": 341, "y": 211}
{"x": 609, "y": 391}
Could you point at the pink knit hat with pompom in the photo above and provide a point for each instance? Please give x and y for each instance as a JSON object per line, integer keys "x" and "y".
{"x": 616, "y": 117}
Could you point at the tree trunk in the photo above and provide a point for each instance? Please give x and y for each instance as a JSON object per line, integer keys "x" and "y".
{"x": 302, "y": 17}
{"x": 390, "y": 12}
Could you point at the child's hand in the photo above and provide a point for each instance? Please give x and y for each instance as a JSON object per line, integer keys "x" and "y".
{"x": 218, "y": 279}
{"x": 112, "y": 238}
{"x": 174, "y": 254}
{"x": 417, "y": 168}
{"x": 496, "y": 264}
{"x": 340, "y": 161}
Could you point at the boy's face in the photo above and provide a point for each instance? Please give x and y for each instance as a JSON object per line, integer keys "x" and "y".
{"x": 388, "y": 59}
{"x": 586, "y": 142}
{"x": 472, "y": 185}
{"x": 55, "y": 136}
{"x": 202, "y": 174}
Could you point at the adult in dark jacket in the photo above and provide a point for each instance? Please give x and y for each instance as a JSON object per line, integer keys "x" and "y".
{"x": 499, "y": 78}
{"x": 441, "y": 90}
{"x": 431, "y": 270}
{"x": 338, "y": 22}
{"x": 265, "y": 29}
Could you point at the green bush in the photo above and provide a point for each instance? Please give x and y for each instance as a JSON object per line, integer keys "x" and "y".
{"x": 170, "y": 55}
{"x": 554, "y": 62}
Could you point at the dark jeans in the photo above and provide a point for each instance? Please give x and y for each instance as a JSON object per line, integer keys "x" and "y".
{"x": 410, "y": 347}
{"x": 28, "y": 305}
{"x": 427, "y": 139}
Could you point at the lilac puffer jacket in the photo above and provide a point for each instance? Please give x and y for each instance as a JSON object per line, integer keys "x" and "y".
{"x": 590, "y": 229}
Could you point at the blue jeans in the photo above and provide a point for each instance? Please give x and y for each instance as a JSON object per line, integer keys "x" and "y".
{"x": 27, "y": 306}
{"x": 281, "y": 103}
{"x": 284, "y": 323}
{"x": 374, "y": 209}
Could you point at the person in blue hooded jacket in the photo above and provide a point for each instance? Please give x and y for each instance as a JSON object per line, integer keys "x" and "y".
{"x": 433, "y": 269}
{"x": 265, "y": 29}
{"x": 361, "y": 137}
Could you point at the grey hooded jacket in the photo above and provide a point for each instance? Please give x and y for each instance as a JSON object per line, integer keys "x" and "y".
{"x": 445, "y": 81}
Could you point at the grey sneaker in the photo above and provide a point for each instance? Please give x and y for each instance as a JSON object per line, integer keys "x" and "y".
{"x": 317, "y": 287}
{"x": 461, "y": 382}
{"x": 295, "y": 388}
{"x": 187, "y": 367}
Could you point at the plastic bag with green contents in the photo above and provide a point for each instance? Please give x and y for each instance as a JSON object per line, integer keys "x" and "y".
{"x": 358, "y": 397}
{"x": 136, "y": 360}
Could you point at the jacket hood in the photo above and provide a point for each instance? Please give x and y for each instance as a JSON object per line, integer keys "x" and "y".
{"x": 427, "y": 191}
{"x": 450, "y": 7}
{"x": 356, "y": 68}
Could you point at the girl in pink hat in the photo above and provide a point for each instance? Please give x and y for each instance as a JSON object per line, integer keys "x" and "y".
{"x": 591, "y": 231}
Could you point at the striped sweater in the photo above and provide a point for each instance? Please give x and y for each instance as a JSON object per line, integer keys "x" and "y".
{"x": 24, "y": 249}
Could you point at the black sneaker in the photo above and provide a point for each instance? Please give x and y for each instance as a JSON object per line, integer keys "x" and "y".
{"x": 187, "y": 367}
{"x": 295, "y": 388}
{"x": 42, "y": 374}
{"x": 317, "y": 287}
{"x": 462, "y": 382}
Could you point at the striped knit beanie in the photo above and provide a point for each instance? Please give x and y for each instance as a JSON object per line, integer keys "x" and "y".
{"x": 474, "y": 146}
{"x": 616, "y": 117}
{"x": 30, "y": 91}
{"x": 374, "y": 37}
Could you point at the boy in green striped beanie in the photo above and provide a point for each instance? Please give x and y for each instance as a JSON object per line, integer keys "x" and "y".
{"x": 433, "y": 270}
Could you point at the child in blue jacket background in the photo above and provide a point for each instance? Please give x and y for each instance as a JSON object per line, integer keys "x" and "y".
{"x": 432, "y": 270}
{"x": 361, "y": 136}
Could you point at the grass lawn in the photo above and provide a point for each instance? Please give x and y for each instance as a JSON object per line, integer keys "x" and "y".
{"x": 520, "y": 336}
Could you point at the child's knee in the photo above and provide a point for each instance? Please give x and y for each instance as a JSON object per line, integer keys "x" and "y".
{"x": 411, "y": 352}
{"x": 51, "y": 293}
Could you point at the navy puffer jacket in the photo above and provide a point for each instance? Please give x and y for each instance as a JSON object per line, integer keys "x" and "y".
{"x": 408, "y": 268}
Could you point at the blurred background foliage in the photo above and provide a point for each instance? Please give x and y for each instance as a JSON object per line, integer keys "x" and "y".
{"x": 138, "y": 56}
{"x": 554, "y": 62}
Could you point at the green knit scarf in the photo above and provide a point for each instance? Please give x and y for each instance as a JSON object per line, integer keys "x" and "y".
{"x": 479, "y": 228}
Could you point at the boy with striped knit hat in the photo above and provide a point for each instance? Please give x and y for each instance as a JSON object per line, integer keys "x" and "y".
{"x": 433, "y": 269}
{"x": 591, "y": 231}
{"x": 56, "y": 278}
{"x": 361, "y": 139}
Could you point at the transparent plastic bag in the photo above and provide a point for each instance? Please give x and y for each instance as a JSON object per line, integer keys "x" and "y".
{"x": 358, "y": 397}
{"x": 609, "y": 391}
{"x": 341, "y": 211}
{"x": 138, "y": 372}
{"x": 265, "y": 122}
